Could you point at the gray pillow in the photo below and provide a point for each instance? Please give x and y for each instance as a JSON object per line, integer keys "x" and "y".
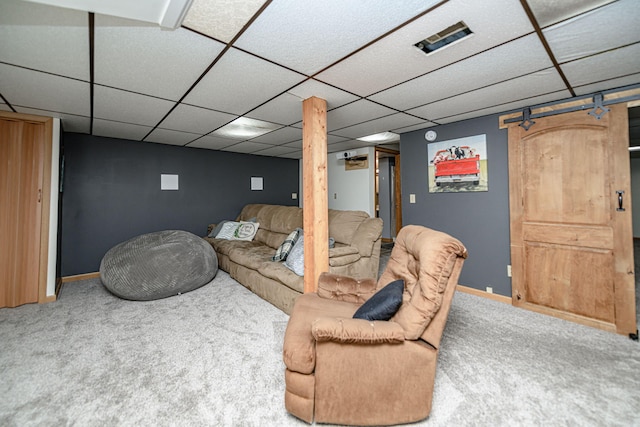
{"x": 295, "y": 260}
{"x": 217, "y": 228}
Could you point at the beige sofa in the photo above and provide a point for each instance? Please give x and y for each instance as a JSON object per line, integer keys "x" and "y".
{"x": 356, "y": 252}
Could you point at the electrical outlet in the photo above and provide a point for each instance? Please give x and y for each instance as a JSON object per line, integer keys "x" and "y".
{"x": 294, "y": 196}
{"x": 509, "y": 270}
{"x": 335, "y": 196}
{"x": 489, "y": 290}
{"x": 412, "y": 198}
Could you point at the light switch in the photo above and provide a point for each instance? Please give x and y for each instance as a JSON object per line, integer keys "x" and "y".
{"x": 412, "y": 198}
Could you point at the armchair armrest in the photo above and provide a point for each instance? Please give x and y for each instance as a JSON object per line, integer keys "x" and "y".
{"x": 344, "y": 288}
{"x": 356, "y": 331}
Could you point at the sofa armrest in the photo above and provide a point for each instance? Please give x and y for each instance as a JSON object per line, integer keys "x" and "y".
{"x": 367, "y": 234}
{"x": 356, "y": 331}
{"x": 343, "y": 255}
{"x": 344, "y": 288}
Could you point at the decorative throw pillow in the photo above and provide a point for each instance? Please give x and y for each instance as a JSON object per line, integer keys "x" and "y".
{"x": 227, "y": 230}
{"x": 285, "y": 248}
{"x": 217, "y": 228}
{"x": 383, "y": 304}
{"x": 245, "y": 231}
{"x": 295, "y": 260}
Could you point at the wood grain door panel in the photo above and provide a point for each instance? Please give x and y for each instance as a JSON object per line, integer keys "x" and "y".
{"x": 571, "y": 249}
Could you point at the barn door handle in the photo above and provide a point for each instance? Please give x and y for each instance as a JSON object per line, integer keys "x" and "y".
{"x": 620, "y": 201}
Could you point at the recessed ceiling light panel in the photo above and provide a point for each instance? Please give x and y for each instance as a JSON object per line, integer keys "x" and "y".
{"x": 444, "y": 38}
{"x": 244, "y": 128}
{"x": 381, "y": 137}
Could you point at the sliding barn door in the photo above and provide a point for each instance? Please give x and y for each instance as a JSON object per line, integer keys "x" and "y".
{"x": 571, "y": 235}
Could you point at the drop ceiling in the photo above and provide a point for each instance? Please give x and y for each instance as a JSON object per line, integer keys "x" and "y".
{"x": 122, "y": 78}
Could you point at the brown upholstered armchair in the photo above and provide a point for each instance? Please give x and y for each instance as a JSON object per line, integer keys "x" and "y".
{"x": 361, "y": 372}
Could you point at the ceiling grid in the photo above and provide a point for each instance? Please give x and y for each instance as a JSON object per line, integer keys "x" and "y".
{"x": 122, "y": 78}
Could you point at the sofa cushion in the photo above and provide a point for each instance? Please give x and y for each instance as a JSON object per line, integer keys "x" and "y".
{"x": 278, "y": 272}
{"x": 252, "y": 257}
{"x": 223, "y": 246}
{"x": 285, "y": 248}
{"x": 383, "y": 304}
{"x": 343, "y": 224}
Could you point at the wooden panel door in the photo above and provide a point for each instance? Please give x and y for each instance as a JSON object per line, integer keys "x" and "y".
{"x": 571, "y": 244}
{"x": 21, "y": 179}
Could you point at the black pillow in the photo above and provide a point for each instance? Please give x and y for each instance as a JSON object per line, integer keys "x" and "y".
{"x": 383, "y": 304}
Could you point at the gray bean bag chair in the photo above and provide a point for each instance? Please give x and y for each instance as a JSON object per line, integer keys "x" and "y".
{"x": 158, "y": 265}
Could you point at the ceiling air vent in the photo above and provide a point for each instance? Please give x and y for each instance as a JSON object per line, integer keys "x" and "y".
{"x": 443, "y": 38}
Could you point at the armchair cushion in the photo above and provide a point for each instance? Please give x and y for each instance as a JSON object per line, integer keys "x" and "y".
{"x": 383, "y": 304}
{"x": 356, "y": 331}
{"x": 345, "y": 288}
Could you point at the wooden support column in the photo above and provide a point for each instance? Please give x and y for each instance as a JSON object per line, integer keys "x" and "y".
{"x": 314, "y": 183}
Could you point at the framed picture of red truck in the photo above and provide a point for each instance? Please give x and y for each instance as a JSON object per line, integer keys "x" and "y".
{"x": 458, "y": 165}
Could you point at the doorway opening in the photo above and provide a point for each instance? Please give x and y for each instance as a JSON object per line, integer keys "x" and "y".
{"x": 388, "y": 197}
{"x": 634, "y": 161}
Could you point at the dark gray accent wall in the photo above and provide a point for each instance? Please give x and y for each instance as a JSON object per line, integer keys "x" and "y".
{"x": 111, "y": 192}
{"x": 479, "y": 219}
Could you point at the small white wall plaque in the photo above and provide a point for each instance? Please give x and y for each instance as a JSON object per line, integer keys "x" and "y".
{"x": 256, "y": 183}
{"x": 168, "y": 182}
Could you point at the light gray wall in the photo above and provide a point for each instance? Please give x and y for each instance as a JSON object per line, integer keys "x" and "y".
{"x": 479, "y": 219}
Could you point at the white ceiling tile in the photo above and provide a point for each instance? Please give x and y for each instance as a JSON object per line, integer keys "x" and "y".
{"x": 119, "y": 130}
{"x": 334, "y": 96}
{"x": 212, "y": 142}
{"x": 275, "y": 151}
{"x": 608, "y": 84}
{"x": 423, "y": 125}
{"x": 346, "y": 145}
{"x": 285, "y": 109}
{"x": 122, "y": 106}
{"x": 510, "y": 60}
{"x": 596, "y": 68}
{"x": 198, "y": 120}
{"x": 27, "y": 88}
{"x": 171, "y": 137}
{"x": 70, "y": 122}
{"x": 354, "y": 113}
{"x": 505, "y": 108}
{"x": 280, "y": 136}
{"x": 239, "y": 82}
{"x": 549, "y": 12}
{"x": 246, "y": 147}
{"x": 221, "y": 19}
{"x": 331, "y": 139}
{"x": 144, "y": 58}
{"x": 395, "y": 59}
{"x": 539, "y": 83}
{"x": 608, "y": 27}
{"x": 308, "y": 35}
{"x": 382, "y": 124}
{"x": 293, "y": 155}
{"x": 45, "y": 38}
